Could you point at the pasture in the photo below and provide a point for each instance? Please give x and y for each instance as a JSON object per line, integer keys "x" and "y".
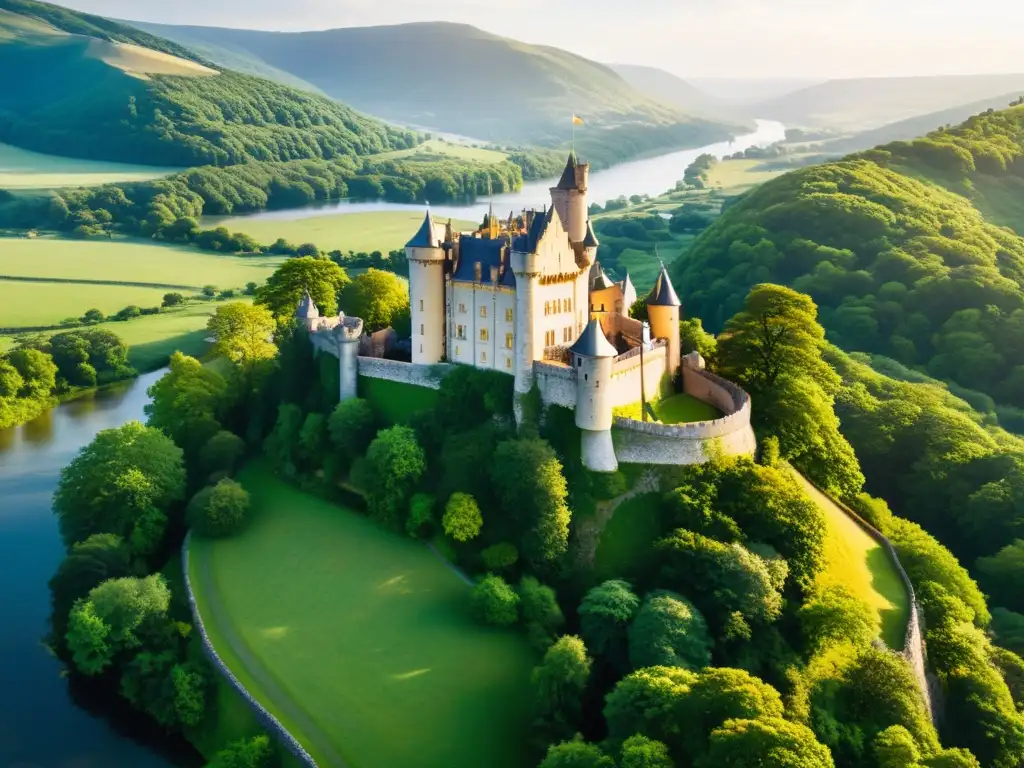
{"x": 446, "y": 149}
{"x": 22, "y": 170}
{"x": 350, "y": 634}
{"x": 28, "y": 305}
{"x": 360, "y": 232}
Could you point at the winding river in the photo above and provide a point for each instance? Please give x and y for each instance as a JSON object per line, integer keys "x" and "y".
{"x": 44, "y": 722}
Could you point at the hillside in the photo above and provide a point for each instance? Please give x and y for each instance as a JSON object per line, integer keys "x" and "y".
{"x": 95, "y": 89}
{"x": 456, "y": 78}
{"x": 670, "y": 89}
{"x": 901, "y": 248}
{"x": 864, "y": 104}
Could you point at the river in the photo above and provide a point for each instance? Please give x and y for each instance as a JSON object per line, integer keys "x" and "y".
{"x": 649, "y": 176}
{"x": 44, "y": 722}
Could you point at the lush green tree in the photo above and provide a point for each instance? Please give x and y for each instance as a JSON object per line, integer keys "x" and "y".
{"x": 576, "y": 754}
{"x": 895, "y": 748}
{"x": 541, "y": 613}
{"x": 1008, "y": 628}
{"x": 836, "y": 615}
{"x": 605, "y": 615}
{"x": 173, "y": 300}
{"x": 313, "y": 439}
{"x": 88, "y": 564}
{"x": 648, "y": 702}
{"x": 693, "y": 338}
{"x": 351, "y": 427}
{"x": 221, "y": 453}
{"x": 219, "y": 510}
{"x": 719, "y": 695}
{"x": 394, "y": 462}
{"x": 421, "y": 514}
{"x": 1001, "y": 575}
{"x": 282, "y": 444}
{"x": 462, "y": 519}
{"x": 669, "y": 632}
{"x": 113, "y": 482}
{"x": 85, "y": 358}
{"x": 186, "y": 403}
{"x": 953, "y": 758}
{"x": 37, "y": 371}
{"x": 285, "y": 288}
{"x": 495, "y": 602}
{"x": 500, "y": 556}
{"x": 172, "y": 693}
{"x": 641, "y": 752}
{"x": 559, "y": 683}
{"x": 377, "y": 297}
{"x": 256, "y": 752}
{"x": 765, "y": 743}
{"x": 1011, "y": 667}
{"x": 244, "y": 334}
{"x": 88, "y": 640}
{"x": 528, "y": 479}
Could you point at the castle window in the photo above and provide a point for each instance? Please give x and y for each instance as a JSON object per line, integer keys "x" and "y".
{"x": 483, "y": 311}
{"x": 568, "y": 305}
{"x": 547, "y": 307}
{"x": 460, "y": 332}
{"x": 458, "y": 351}
{"x": 508, "y": 341}
{"x": 508, "y": 363}
{"x": 484, "y": 336}
{"x": 462, "y": 308}
{"x": 483, "y": 357}
{"x": 421, "y": 305}
{"x": 421, "y": 349}
{"x": 421, "y": 330}
{"x": 549, "y": 338}
{"x": 508, "y": 315}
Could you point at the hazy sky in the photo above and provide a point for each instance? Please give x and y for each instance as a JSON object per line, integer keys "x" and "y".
{"x": 697, "y": 38}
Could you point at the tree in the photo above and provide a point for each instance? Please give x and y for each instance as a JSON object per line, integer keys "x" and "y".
{"x": 256, "y": 752}
{"x": 219, "y": 510}
{"x": 37, "y": 371}
{"x": 647, "y": 702}
{"x": 313, "y": 439}
{"x": 576, "y": 754}
{"x": 500, "y": 556}
{"x": 173, "y": 694}
{"x": 835, "y": 615}
{"x": 605, "y": 615}
{"x": 173, "y": 300}
{"x": 719, "y": 695}
{"x": 88, "y": 564}
{"x": 495, "y": 602}
{"x": 243, "y": 334}
{"x": 641, "y": 752}
{"x": 895, "y": 748}
{"x": 669, "y": 632}
{"x": 693, "y": 338}
{"x": 285, "y": 288}
{"x": 220, "y": 454}
{"x": 541, "y": 613}
{"x": 377, "y": 297}
{"x": 394, "y": 462}
{"x": 421, "y": 514}
{"x": 1001, "y": 575}
{"x": 765, "y": 743}
{"x": 529, "y": 482}
{"x": 559, "y": 683}
{"x": 186, "y": 403}
{"x": 462, "y": 519}
{"x": 351, "y": 427}
{"x": 121, "y": 474}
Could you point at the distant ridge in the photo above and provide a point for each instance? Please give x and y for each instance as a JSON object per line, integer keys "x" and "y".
{"x": 674, "y": 90}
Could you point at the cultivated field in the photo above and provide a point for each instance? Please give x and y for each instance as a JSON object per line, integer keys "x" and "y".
{"x": 21, "y": 169}
{"x": 360, "y": 232}
{"x": 347, "y": 632}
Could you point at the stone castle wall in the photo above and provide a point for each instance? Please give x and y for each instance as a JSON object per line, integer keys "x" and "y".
{"x": 626, "y": 378}
{"x": 419, "y": 375}
{"x": 557, "y": 384}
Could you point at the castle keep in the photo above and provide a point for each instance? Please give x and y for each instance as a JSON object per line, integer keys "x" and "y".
{"x": 526, "y": 296}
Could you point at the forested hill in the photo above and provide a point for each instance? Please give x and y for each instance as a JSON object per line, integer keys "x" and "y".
{"x": 908, "y": 250}
{"x": 456, "y": 78}
{"x": 87, "y": 87}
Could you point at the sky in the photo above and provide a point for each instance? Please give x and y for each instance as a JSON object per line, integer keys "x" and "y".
{"x": 811, "y": 39}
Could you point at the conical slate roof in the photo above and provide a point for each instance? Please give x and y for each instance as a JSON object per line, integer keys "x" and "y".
{"x": 592, "y": 343}
{"x": 601, "y": 282}
{"x": 568, "y": 180}
{"x": 590, "y": 241}
{"x": 663, "y": 294}
{"x": 627, "y": 284}
{"x": 307, "y": 309}
{"x": 424, "y": 238}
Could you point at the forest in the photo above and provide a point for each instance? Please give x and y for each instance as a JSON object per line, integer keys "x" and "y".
{"x": 894, "y": 247}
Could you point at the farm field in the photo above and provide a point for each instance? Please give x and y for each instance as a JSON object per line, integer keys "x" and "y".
{"x": 438, "y": 147}
{"x": 22, "y": 169}
{"x": 360, "y": 232}
{"x": 740, "y": 175}
{"x": 344, "y": 630}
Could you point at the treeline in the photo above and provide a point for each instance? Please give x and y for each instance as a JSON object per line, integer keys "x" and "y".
{"x": 38, "y": 369}
{"x": 900, "y": 268}
{"x": 170, "y": 208}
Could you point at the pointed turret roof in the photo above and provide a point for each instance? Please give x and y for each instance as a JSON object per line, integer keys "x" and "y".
{"x": 590, "y": 241}
{"x": 424, "y": 238}
{"x": 601, "y": 281}
{"x": 568, "y": 180}
{"x": 663, "y": 294}
{"x": 627, "y": 284}
{"x": 592, "y": 343}
{"x": 307, "y": 309}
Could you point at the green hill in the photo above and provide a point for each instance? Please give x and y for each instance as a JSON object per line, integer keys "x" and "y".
{"x": 92, "y": 88}
{"x": 867, "y": 103}
{"x": 908, "y": 250}
{"x": 666, "y": 87}
{"x": 459, "y": 79}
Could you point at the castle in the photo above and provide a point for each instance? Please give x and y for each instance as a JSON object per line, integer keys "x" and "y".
{"x": 526, "y": 296}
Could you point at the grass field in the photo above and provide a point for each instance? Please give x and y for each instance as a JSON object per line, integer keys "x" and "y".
{"x": 393, "y": 401}
{"x": 21, "y": 169}
{"x": 367, "y": 632}
{"x": 628, "y": 536}
{"x": 858, "y": 562}
{"x": 35, "y": 304}
{"x": 739, "y": 175}
{"x": 437, "y": 147}
{"x": 678, "y": 409}
{"x": 360, "y": 232}
{"x": 154, "y": 338}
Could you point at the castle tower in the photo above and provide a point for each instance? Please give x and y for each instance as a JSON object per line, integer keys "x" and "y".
{"x": 663, "y": 311}
{"x": 346, "y": 339}
{"x": 593, "y": 357}
{"x": 527, "y": 270}
{"x": 570, "y": 198}
{"x": 307, "y": 312}
{"x": 628, "y": 295}
{"x": 426, "y": 293}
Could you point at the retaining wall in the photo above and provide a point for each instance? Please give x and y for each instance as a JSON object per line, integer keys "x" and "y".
{"x": 420, "y": 375}
{"x": 265, "y": 719}
{"x": 626, "y": 377}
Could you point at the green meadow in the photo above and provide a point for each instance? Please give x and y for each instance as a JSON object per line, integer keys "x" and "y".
{"x": 351, "y": 634}
{"x": 21, "y": 169}
{"x": 446, "y": 148}
{"x": 28, "y": 305}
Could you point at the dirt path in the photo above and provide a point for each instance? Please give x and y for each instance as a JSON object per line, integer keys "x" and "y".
{"x": 270, "y": 694}
{"x": 588, "y": 535}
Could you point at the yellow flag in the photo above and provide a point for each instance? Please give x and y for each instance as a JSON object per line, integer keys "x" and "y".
{"x": 576, "y": 120}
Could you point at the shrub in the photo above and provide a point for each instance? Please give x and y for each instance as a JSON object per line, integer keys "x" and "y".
{"x": 219, "y": 510}
{"x": 173, "y": 299}
{"x": 421, "y": 515}
{"x": 500, "y": 556}
{"x": 668, "y": 631}
{"x": 495, "y": 602}
{"x": 462, "y": 519}
{"x": 221, "y": 453}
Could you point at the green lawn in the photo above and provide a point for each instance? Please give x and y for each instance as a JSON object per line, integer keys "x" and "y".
{"x": 858, "y": 562}
{"x": 130, "y": 261}
{"x": 154, "y": 338}
{"x": 360, "y": 232}
{"x": 628, "y": 537}
{"x": 363, "y": 638}
{"x": 36, "y": 304}
{"x": 438, "y": 147}
{"x": 21, "y": 169}
{"x": 395, "y": 402}
{"x": 740, "y": 175}
{"x": 677, "y": 409}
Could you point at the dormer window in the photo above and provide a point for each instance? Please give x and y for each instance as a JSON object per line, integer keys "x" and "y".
{"x": 478, "y": 271}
